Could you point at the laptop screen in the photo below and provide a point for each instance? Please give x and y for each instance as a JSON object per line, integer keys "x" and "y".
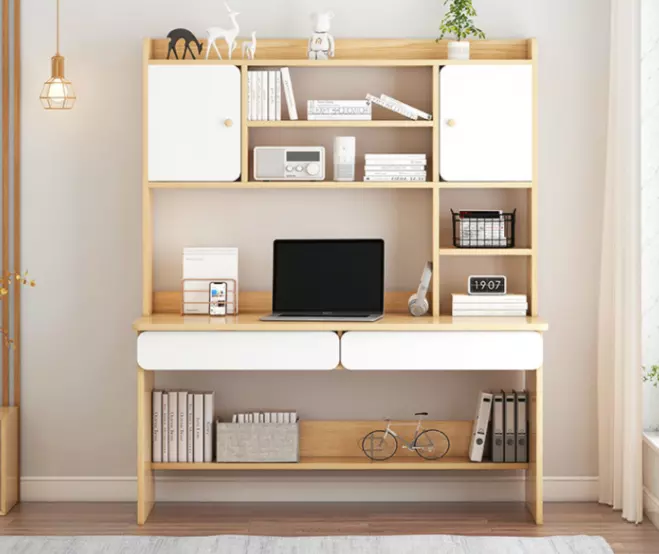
{"x": 328, "y": 276}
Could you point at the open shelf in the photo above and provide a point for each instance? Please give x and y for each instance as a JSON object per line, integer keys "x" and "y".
{"x": 338, "y": 62}
{"x": 372, "y": 123}
{"x": 453, "y": 251}
{"x": 348, "y": 464}
{"x": 485, "y": 185}
{"x": 291, "y": 185}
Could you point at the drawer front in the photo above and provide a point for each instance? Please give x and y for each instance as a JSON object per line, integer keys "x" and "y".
{"x": 441, "y": 350}
{"x": 239, "y": 350}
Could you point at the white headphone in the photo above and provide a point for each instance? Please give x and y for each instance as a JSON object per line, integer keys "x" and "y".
{"x": 418, "y": 303}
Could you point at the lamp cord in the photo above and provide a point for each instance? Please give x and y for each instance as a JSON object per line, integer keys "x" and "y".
{"x": 58, "y": 27}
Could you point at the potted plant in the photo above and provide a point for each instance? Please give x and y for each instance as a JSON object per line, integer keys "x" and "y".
{"x": 457, "y": 22}
{"x": 651, "y": 398}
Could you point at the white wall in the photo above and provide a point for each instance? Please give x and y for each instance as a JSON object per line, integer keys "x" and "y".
{"x": 81, "y": 228}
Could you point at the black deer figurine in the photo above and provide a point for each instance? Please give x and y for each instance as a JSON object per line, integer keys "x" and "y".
{"x": 182, "y": 34}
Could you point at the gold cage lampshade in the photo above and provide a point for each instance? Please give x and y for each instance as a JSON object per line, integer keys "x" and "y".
{"x": 57, "y": 92}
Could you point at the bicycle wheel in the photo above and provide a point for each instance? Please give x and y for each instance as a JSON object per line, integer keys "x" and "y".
{"x": 379, "y": 445}
{"x": 432, "y": 444}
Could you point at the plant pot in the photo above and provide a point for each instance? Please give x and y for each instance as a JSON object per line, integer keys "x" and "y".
{"x": 458, "y": 50}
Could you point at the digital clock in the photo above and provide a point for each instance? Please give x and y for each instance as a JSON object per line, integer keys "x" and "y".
{"x": 486, "y": 284}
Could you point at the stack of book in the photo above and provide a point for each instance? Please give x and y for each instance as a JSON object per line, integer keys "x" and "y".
{"x": 486, "y": 305}
{"x": 482, "y": 228}
{"x": 398, "y": 107}
{"x": 182, "y": 426}
{"x": 264, "y": 95}
{"x": 395, "y": 167}
{"x": 338, "y": 110}
{"x": 265, "y": 417}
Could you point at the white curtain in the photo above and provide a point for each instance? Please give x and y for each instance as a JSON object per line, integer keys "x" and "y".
{"x": 619, "y": 361}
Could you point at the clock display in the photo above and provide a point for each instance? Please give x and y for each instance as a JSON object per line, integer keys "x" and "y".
{"x": 487, "y": 284}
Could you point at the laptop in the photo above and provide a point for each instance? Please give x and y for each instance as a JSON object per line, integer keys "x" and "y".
{"x": 328, "y": 280}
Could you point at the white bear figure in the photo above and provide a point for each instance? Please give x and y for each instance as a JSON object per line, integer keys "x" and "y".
{"x": 321, "y": 43}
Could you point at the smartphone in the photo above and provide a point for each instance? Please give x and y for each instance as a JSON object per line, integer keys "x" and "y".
{"x": 218, "y": 298}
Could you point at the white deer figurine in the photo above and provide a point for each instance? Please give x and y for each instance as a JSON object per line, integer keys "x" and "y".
{"x": 249, "y": 48}
{"x": 229, "y": 35}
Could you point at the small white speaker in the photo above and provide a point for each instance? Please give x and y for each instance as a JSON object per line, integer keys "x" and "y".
{"x": 344, "y": 158}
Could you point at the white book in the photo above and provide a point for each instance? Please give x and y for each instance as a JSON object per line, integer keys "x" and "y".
{"x": 252, "y": 91}
{"x": 479, "y": 429}
{"x": 392, "y": 107}
{"x": 488, "y": 313}
{"x": 234, "y": 419}
{"x": 287, "y": 85}
{"x": 257, "y": 96}
{"x": 393, "y": 157}
{"x": 241, "y": 418}
{"x": 249, "y": 95}
{"x": 264, "y": 96}
{"x": 393, "y": 179}
{"x": 173, "y": 426}
{"x": 494, "y": 299}
{"x": 156, "y": 426}
{"x": 393, "y": 167}
{"x": 209, "y": 409}
{"x": 373, "y": 173}
{"x": 404, "y": 106}
{"x": 198, "y": 428}
{"x": 278, "y": 95}
{"x": 190, "y": 421}
{"x": 272, "y": 95}
{"x": 266, "y": 417}
{"x": 293, "y": 417}
{"x": 329, "y": 117}
{"x": 182, "y": 427}
{"x": 165, "y": 427}
{"x": 499, "y": 307}
{"x": 395, "y": 163}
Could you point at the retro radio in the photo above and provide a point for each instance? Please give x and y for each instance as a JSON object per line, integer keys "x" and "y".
{"x": 289, "y": 163}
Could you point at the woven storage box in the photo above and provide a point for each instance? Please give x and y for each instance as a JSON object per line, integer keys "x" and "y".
{"x": 258, "y": 442}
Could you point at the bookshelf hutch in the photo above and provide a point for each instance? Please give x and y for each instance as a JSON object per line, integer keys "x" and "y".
{"x": 422, "y": 62}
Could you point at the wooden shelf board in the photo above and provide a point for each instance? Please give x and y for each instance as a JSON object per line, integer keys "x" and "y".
{"x": 348, "y": 464}
{"x": 391, "y": 322}
{"x": 340, "y": 62}
{"x": 452, "y": 251}
{"x": 485, "y": 185}
{"x": 291, "y": 185}
{"x": 301, "y": 124}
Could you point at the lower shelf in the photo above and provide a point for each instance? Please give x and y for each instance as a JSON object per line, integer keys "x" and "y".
{"x": 349, "y": 464}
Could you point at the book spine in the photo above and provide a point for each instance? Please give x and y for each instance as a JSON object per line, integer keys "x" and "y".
{"x": 182, "y": 427}
{"x": 395, "y": 158}
{"x": 395, "y": 173}
{"x": 405, "y": 106}
{"x": 165, "y": 427}
{"x": 173, "y": 426}
{"x": 190, "y": 442}
{"x": 492, "y": 313}
{"x": 264, "y": 95}
{"x": 287, "y": 85}
{"x": 252, "y": 91}
{"x": 209, "y": 409}
{"x": 272, "y": 96}
{"x": 412, "y": 167}
{"x": 259, "y": 78}
{"x": 249, "y": 95}
{"x": 332, "y": 117}
{"x": 278, "y": 95}
{"x": 391, "y": 107}
{"x": 393, "y": 179}
{"x": 198, "y": 428}
{"x": 156, "y": 426}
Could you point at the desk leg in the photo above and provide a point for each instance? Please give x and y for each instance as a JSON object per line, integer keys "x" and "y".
{"x": 145, "y": 483}
{"x": 535, "y": 473}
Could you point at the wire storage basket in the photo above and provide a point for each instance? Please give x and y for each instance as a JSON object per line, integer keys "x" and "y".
{"x": 483, "y": 229}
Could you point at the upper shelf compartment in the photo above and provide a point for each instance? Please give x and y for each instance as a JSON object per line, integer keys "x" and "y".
{"x": 358, "y": 52}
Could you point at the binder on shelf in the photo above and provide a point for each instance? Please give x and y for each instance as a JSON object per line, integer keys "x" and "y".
{"x": 173, "y": 426}
{"x": 156, "y": 422}
{"x": 182, "y": 426}
{"x": 165, "y": 427}
{"x": 479, "y": 432}
{"x": 521, "y": 433}
{"x": 509, "y": 426}
{"x": 497, "y": 427}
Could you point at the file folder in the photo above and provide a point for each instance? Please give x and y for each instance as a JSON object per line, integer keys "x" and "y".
{"x": 497, "y": 427}
{"x": 509, "y": 426}
{"x": 521, "y": 434}
{"x": 479, "y": 431}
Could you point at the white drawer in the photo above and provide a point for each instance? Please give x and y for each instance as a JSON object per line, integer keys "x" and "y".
{"x": 242, "y": 350}
{"x": 441, "y": 350}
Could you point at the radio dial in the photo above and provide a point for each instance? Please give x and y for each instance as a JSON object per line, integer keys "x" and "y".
{"x": 289, "y": 168}
{"x": 313, "y": 169}
{"x": 299, "y": 168}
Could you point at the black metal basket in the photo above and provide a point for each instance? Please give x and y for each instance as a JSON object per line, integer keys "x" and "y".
{"x": 483, "y": 229}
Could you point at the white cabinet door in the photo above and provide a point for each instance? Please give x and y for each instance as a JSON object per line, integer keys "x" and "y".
{"x": 194, "y": 123}
{"x": 486, "y": 123}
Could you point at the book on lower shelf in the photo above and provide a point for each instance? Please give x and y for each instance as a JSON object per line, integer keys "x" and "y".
{"x": 182, "y": 426}
{"x": 513, "y": 305}
{"x": 395, "y": 167}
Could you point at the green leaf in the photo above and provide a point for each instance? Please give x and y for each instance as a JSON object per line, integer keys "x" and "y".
{"x": 457, "y": 20}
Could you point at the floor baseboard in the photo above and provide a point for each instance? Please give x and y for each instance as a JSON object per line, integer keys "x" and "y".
{"x": 300, "y": 488}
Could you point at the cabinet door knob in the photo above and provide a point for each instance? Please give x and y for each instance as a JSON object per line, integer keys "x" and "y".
{"x": 450, "y": 122}
{"x": 228, "y": 123}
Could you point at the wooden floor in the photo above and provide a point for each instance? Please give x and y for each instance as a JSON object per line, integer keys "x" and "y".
{"x": 331, "y": 519}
